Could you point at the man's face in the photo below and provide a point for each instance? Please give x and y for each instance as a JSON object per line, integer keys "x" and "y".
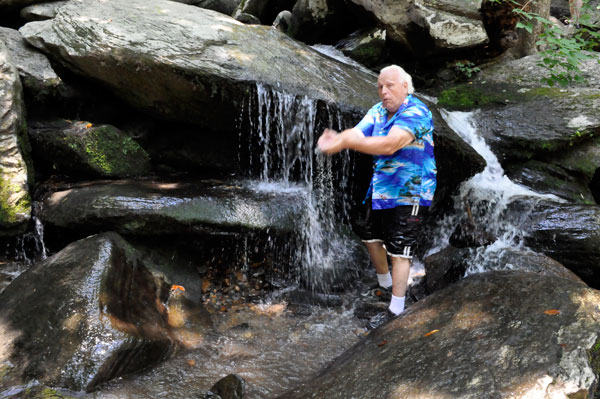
{"x": 392, "y": 91}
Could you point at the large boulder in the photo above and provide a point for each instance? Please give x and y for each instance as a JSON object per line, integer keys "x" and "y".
{"x": 162, "y": 207}
{"x": 11, "y": 5}
{"x": 496, "y": 334}
{"x": 81, "y": 149}
{"x": 15, "y": 203}
{"x": 449, "y": 24}
{"x": 88, "y": 314}
{"x": 523, "y": 119}
{"x": 570, "y": 234}
{"x": 223, "y": 6}
{"x": 42, "y": 11}
{"x": 551, "y": 178}
{"x": 39, "y": 80}
{"x": 198, "y": 71}
{"x": 452, "y": 264}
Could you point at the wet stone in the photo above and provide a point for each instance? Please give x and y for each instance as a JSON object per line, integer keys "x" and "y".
{"x": 230, "y": 387}
{"x": 88, "y": 314}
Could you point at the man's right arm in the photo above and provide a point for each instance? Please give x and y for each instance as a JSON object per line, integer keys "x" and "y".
{"x": 331, "y": 142}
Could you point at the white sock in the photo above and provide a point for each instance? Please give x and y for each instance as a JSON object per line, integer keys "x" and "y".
{"x": 385, "y": 280}
{"x": 397, "y": 304}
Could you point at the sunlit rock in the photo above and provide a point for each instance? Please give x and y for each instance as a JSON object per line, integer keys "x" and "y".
{"x": 42, "y": 11}
{"x": 522, "y": 118}
{"x": 11, "y": 5}
{"x": 223, "y": 6}
{"x": 191, "y": 64}
{"x": 153, "y": 208}
{"x": 450, "y": 24}
{"x": 88, "y": 314}
{"x": 82, "y": 149}
{"x": 15, "y": 203}
{"x": 536, "y": 335}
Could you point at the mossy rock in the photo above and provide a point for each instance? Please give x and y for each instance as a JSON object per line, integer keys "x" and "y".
{"x": 84, "y": 150}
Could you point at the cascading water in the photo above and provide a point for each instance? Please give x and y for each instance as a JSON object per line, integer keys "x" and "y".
{"x": 283, "y": 129}
{"x": 488, "y": 196}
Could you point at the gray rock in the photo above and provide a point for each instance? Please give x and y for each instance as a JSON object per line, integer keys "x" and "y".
{"x": 570, "y": 234}
{"x": 551, "y": 178}
{"x": 364, "y": 46}
{"x": 206, "y": 61}
{"x": 521, "y": 118}
{"x": 451, "y": 24}
{"x": 450, "y": 265}
{"x": 15, "y": 203}
{"x": 154, "y": 208}
{"x": 222, "y": 6}
{"x": 42, "y": 12}
{"x": 246, "y": 18}
{"x": 90, "y": 313}
{"x": 39, "y": 80}
{"x": 231, "y": 387}
{"x": 11, "y": 5}
{"x": 282, "y": 21}
{"x": 80, "y": 149}
{"x": 311, "y": 19}
{"x": 492, "y": 335}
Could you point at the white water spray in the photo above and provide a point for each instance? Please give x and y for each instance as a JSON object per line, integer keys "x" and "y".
{"x": 488, "y": 194}
{"x": 286, "y": 127}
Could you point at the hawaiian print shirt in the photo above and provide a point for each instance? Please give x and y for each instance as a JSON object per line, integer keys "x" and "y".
{"x": 407, "y": 177}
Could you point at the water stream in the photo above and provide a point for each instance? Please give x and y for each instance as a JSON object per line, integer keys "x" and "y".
{"x": 488, "y": 195}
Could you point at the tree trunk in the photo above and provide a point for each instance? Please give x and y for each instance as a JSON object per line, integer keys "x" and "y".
{"x": 526, "y": 41}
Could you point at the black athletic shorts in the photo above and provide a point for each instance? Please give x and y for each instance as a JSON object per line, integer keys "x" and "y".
{"x": 397, "y": 228}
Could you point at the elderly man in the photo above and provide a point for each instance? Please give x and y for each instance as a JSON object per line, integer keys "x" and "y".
{"x": 398, "y": 132}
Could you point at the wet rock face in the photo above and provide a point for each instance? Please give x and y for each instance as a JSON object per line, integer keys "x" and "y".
{"x": 81, "y": 149}
{"x": 534, "y": 334}
{"x": 450, "y": 265}
{"x": 152, "y": 208}
{"x": 15, "y": 204}
{"x": 569, "y": 234}
{"x": 214, "y": 62}
{"x": 86, "y": 315}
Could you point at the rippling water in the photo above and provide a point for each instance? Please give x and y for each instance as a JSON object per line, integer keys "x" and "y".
{"x": 268, "y": 345}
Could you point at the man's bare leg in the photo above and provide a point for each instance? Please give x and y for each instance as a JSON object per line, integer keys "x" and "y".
{"x": 378, "y": 256}
{"x": 400, "y": 272}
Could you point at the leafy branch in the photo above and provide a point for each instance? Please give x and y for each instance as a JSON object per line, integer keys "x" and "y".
{"x": 561, "y": 56}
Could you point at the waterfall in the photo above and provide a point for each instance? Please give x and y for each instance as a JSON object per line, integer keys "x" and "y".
{"x": 489, "y": 195}
{"x": 281, "y": 131}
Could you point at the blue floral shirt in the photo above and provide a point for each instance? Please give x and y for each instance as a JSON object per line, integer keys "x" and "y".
{"x": 407, "y": 177}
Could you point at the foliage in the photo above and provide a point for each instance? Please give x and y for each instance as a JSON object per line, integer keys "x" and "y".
{"x": 561, "y": 56}
{"x": 466, "y": 69}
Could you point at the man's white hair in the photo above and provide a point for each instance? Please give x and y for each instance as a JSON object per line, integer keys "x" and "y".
{"x": 402, "y": 75}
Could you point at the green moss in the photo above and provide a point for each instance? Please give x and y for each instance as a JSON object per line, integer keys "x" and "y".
{"x": 47, "y": 393}
{"x": 594, "y": 357}
{"x": 108, "y": 151}
{"x": 465, "y": 97}
{"x": 10, "y": 214}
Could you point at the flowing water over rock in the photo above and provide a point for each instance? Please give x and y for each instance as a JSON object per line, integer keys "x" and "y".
{"x": 287, "y": 127}
{"x": 486, "y": 201}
